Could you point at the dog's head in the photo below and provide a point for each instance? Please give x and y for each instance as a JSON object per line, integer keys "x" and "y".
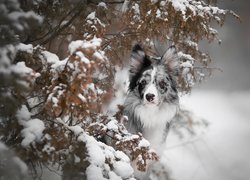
{"x": 152, "y": 79}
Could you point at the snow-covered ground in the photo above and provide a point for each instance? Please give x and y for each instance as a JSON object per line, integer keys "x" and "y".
{"x": 221, "y": 152}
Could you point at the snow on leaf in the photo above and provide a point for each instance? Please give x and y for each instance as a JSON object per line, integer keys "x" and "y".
{"x": 96, "y": 156}
{"x": 102, "y": 4}
{"x": 91, "y": 16}
{"x": 112, "y": 125}
{"x": 83, "y": 99}
{"x": 23, "y": 114}
{"x": 21, "y": 69}
{"x": 123, "y": 169}
{"x": 51, "y": 58}
{"x": 74, "y": 45}
{"x": 59, "y": 65}
{"x": 122, "y": 155}
{"x": 143, "y": 143}
{"x": 94, "y": 172}
{"x": 125, "y": 6}
{"x": 93, "y": 44}
{"x": 82, "y": 57}
{"x": 33, "y": 131}
{"x": 25, "y": 47}
{"x": 77, "y": 130}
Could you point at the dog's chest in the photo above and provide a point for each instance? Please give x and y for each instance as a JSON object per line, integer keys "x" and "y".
{"x": 154, "y": 121}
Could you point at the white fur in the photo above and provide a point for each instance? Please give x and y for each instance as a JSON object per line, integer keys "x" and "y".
{"x": 154, "y": 119}
{"x": 152, "y": 89}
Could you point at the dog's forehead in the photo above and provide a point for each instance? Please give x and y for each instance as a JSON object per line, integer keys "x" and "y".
{"x": 154, "y": 71}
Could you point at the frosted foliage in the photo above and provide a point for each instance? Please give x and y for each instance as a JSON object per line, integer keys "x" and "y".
{"x": 123, "y": 169}
{"x": 84, "y": 61}
{"x": 92, "y": 45}
{"x": 6, "y": 67}
{"x": 186, "y": 66}
{"x": 51, "y": 58}
{"x": 197, "y": 8}
{"x": 25, "y": 47}
{"x": 102, "y": 157}
{"x": 65, "y": 107}
{"x": 32, "y": 128}
{"x": 33, "y": 131}
{"x": 14, "y": 21}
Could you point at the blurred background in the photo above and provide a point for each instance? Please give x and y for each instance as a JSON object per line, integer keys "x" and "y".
{"x": 220, "y": 151}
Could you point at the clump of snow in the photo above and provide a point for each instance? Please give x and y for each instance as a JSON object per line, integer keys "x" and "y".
{"x": 25, "y": 47}
{"x": 121, "y": 155}
{"x": 91, "y": 16}
{"x": 16, "y": 16}
{"x": 102, "y": 4}
{"x": 105, "y": 161}
{"x": 93, "y": 21}
{"x": 74, "y": 45}
{"x": 96, "y": 155}
{"x": 98, "y": 55}
{"x": 136, "y": 9}
{"x": 158, "y": 13}
{"x": 143, "y": 143}
{"x": 94, "y": 172}
{"x": 33, "y": 131}
{"x": 32, "y": 128}
{"x": 198, "y": 8}
{"x": 93, "y": 44}
{"x": 59, "y": 65}
{"x": 51, "y": 58}
{"x": 48, "y": 148}
{"x": 23, "y": 114}
{"x": 82, "y": 57}
{"x": 186, "y": 64}
{"x": 83, "y": 99}
{"x": 112, "y": 125}
{"x": 123, "y": 169}
{"x": 91, "y": 86}
{"x": 21, "y": 69}
{"x": 125, "y": 6}
{"x": 76, "y": 129}
{"x": 114, "y": 176}
{"x": 180, "y": 5}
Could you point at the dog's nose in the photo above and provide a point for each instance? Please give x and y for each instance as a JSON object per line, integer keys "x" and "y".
{"x": 150, "y": 97}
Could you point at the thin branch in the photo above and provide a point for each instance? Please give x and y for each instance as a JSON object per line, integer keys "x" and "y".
{"x": 183, "y": 144}
{"x": 209, "y": 68}
{"x": 59, "y": 28}
{"x": 114, "y": 2}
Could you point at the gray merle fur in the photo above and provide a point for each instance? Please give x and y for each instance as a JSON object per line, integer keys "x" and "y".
{"x": 167, "y": 67}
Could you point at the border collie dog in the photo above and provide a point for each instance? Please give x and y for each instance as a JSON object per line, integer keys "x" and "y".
{"x": 152, "y": 100}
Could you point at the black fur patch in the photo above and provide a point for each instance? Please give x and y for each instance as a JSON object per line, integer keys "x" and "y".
{"x": 145, "y": 65}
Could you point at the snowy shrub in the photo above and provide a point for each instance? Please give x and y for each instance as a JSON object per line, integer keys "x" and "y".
{"x": 61, "y": 99}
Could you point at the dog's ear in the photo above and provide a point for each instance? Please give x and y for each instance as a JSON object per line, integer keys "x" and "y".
{"x": 170, "y": 60}
{"x": 138, "y": 60}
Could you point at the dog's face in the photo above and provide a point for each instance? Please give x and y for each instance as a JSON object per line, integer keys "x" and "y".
{"x": 152, "y": 80}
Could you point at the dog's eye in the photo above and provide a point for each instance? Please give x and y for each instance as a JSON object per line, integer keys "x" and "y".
{"x": 162, "y": 84}
{"x": 143, "y": 82}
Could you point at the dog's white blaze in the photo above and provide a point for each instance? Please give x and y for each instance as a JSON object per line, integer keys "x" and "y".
{"x": 152, "y": 88}
{"x": 154, "y": 119}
